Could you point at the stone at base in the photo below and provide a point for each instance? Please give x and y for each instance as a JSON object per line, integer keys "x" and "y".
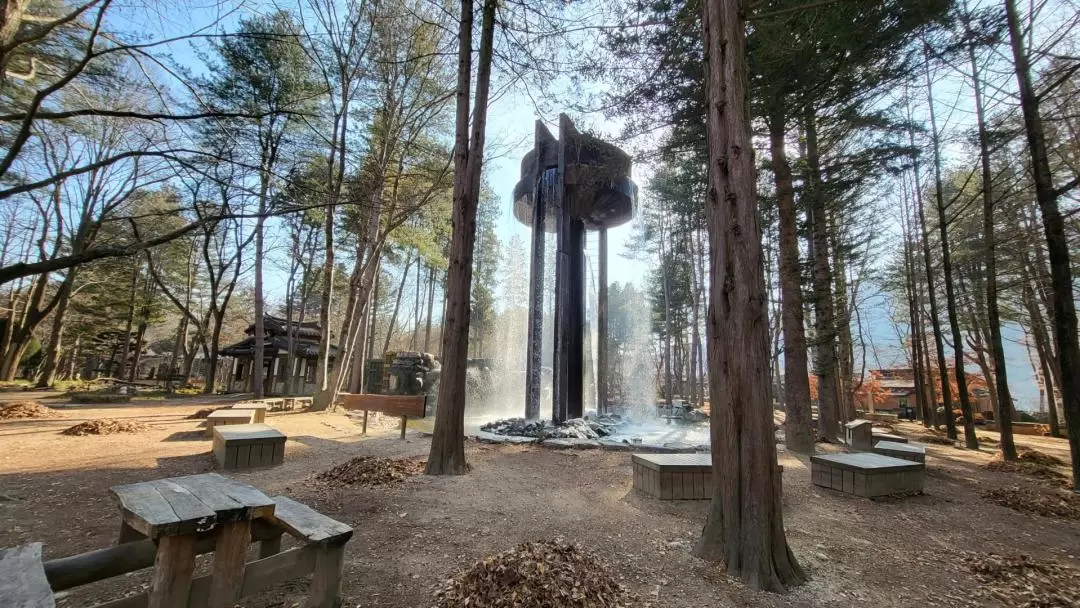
{"x": 867, "y": 474}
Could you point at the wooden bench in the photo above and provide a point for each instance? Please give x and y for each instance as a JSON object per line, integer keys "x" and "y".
{"x": 673, "y": 476}
{"x": 22, "y": 578}
{"x": 228, "y": 415}
{"x": 406, "y": 406}
{"x": 867, "y": 474}
{"x": 248, "y": 446}
{"x": 167, "y": 528}
{"x": 903, "y": 451}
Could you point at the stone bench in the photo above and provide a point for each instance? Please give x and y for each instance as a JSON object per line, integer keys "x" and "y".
{"x": 903, "y": 451}
{"x": 247, "y": 446}
{"x": 867, "y": 474}
{"x": 673, "y": 476}
{"x": 228, "y": 416}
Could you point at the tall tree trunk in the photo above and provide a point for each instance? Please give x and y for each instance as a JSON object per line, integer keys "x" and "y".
{"x": 374, "y": 316}
{"x": 1001, "y": 381}
{"x": 745, "y": 525}
{"x": 664, "y": 266}
{"x": 415, "y": 337}
{"x": 970, "y": 439}
{"x": 56, "y": 336}
{"x": 824, "y": 319}
{"x": 798, "y": 430}
{"x": 397, "y": 303}
{"x": 258, "y": 355}
{"x": 179, "y": 345}
{"x": 430, "y": 307}
{"x": 125, "y": 348}
{"x": 1057, "y": 243}
{"x": 935, "y": 319}
{"x": 447, "y": 456}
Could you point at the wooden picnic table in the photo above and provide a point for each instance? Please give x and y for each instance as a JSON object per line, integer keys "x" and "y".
{"x": 181, "y": 514}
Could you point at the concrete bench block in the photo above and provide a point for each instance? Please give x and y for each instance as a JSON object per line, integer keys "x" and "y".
{"x": 248, "y": 446}
{"x": 228, "y": 416}
{"x": 673, "y": 476}
{"x": 867, "y": 474}
{"x": 903, "y": 451}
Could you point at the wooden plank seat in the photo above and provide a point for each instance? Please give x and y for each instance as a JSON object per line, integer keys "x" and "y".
{"x": 904, "y": 451}
{"x": 248, "y": 446}
{"x": 228, "y": 415}
{"x": 673, "y": 476}
{"x": 225, "y": 532}
{"x": 22, "y": 578}
{"x": 867, "y": 474}
{"x": 258, "y": 407}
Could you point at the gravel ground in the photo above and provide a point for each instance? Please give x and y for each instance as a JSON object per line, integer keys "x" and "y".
{"x": 412, "y": 536}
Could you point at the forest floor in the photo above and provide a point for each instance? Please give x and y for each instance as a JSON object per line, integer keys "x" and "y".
{"x": 413, "y": 535}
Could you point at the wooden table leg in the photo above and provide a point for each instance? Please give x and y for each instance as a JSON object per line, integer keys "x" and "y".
{"x": 364, "y": 430}
{"x": 325, "y": 590}
{"x": 173, "y": 565}
{"x": 404, "y": 419}
{"x": 230, "y": 558}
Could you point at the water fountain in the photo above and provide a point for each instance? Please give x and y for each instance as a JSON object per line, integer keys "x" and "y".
{"x": 569, "y": 185}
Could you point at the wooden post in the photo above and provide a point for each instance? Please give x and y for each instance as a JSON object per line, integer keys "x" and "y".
{"x": 325, "y": 590}
{"x": 363, "y": 431}
{"x": 173, "y": 565}
{"x": 403, "y": 420}
{"x": 230, "y": 556}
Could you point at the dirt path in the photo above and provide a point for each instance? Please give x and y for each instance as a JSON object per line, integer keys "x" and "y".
{"x": 412, "y": 536}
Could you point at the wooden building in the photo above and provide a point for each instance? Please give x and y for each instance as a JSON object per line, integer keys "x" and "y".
{"x": 305, "y": 350}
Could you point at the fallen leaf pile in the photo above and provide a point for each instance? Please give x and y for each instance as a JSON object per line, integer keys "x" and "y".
{"x": 372, "y": 471}
{"x": 1031, "y": 469}
{"x": 26, "y": 409}
{"x": 1042, "y": 458}
{"x": 106, "y": 426}
{"x": 535, "y": 575}
{"x": 1048, "y": 503}
{"x": 1018, "y": 581}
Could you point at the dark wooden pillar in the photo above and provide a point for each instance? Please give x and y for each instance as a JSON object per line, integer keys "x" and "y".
{"x": 563, "y": 287}
{"x": 575, "y": 365}
{"x": 534, "y": 353}
{"x": 602, "y": 326}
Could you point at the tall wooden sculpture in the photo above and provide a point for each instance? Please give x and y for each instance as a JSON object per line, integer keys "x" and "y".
{"x": 569, "y": 185}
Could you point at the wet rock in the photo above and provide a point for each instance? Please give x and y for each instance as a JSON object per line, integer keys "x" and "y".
{"x": 577, "y": 428}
